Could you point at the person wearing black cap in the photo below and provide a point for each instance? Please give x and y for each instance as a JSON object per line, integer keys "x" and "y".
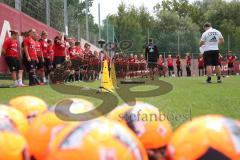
{"x": 11, "y": 53}
{"x": 151, "y": 54}
{"x": 209, "y": 43}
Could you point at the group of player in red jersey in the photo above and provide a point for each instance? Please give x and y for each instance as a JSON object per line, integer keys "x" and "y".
{"x": 230, "y": 61}
{"x": 131, "y": 66}
{"x": 168, "y": 64}
{"x": 40, "y": 55}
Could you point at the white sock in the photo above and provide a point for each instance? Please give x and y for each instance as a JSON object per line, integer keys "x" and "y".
{"x": 44, "y": 79}
{"x": 16, "y": 82}
{"x": 19, "y": 81}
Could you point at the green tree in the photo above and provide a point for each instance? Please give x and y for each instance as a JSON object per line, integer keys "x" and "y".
{"x": 127, "y": 26}
{"x": 169, "y": 26}
{"x": 177, "y": 18}
{"x": 77, "y": 15}
{"x": 224, "y": 16}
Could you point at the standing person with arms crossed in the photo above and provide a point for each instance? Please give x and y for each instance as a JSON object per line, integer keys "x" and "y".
{"x": 211, "y": 38}
{"x": 151, "y": 54}
{"x": 11, "y": 53}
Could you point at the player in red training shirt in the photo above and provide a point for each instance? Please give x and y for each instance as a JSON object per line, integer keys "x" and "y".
{"x": 142, "y": 65}
{"x": 80, "y": 56}
{"x": 124, "y": 65}
{"x": 48, "y": 58}
{"x": 60, "y": 50}
{"x": 188, "y": 64}
{"x": 44, "y": 48}
{"x": 179, "y": 66}
{"x": 87, "y": 58}
{"x": 10, "y": 50}
{"x": 136, "y": 65}
{"x": 170, "y": 65}
{"x": 96, "y": 65}
{"x": 40, "y": 64}
{"x": 201, "y": 65}
{"x": 230, "y": 60}
{"x": 131, "y": 62}
{"x": 117, "y": 62}
{"x": 160, "y": 64}
{"x": 87, "y": 53}
{"x": 73, "y": 55}
{"x": 79, "y": 50}
{"x": 31, "y": 57}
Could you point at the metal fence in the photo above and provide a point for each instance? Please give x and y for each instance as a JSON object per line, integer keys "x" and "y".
{"x": 51, "y": 12}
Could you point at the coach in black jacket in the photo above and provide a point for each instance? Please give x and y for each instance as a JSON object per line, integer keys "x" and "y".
{"x": 151, "y": 55}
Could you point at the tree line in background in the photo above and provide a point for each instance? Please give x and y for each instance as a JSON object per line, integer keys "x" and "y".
{"x": 176, "y": 25}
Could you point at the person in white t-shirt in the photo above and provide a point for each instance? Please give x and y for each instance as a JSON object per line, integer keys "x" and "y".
{"x": 210, "y": 41}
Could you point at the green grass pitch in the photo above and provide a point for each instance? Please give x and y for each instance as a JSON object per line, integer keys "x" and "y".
{"x": 189, "y": 98}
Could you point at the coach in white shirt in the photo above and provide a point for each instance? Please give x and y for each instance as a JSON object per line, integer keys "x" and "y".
{"x": 210, "y": 40}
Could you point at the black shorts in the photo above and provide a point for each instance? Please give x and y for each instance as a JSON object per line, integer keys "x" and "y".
{"x": 161, "y": 68}
{"x": 179, "y": 68}
{"x": 170, "y": 68}
{"x": 152, "y": 65}
{"x": 40, "y": 63}
{"x": 211, "y": 58}
{"x": 58, "y": 60}
{"x": 30, "y": 65}
{"x": 142, "y": 66}
{"x": 131, "y": 67}
{"x": 136, "y": 67}
{"x": 230, "y": 65}
{"x": 97, "y": 68}
{"x": 75, "y": 64}
{"x": 124, "y": 68}
{"x": 117, "y": 67}
{"x": 200, "y": 67}
{"x": 48, "y": 63}
{"x": 14, "y": 64}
